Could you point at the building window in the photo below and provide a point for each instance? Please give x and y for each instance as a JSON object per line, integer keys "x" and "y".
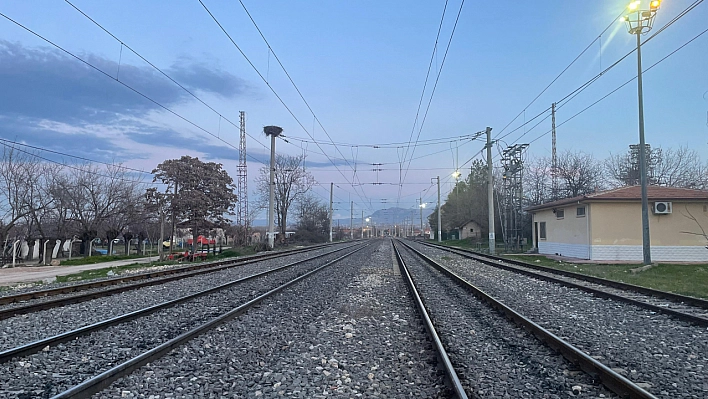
{"x": 580, "y": 212}
{"x": 542, "y": 230}
{"x": 560, "y": 213}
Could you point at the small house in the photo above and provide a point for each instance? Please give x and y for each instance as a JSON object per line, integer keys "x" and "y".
{"x": 607, "y": 225}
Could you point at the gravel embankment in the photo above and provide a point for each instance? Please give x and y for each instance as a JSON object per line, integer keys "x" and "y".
{"x": 492, "y": 356}
{"x": 59, "y": 367}
{"x": 665, "y": 356}
{"x": 27, "y": 328}
{"x": 349, "y": 331}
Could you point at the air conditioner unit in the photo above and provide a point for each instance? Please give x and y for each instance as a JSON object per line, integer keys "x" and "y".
{"x": 662, "y": 208}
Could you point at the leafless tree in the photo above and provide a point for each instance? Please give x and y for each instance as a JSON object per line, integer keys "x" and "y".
{"x": 16, "y": 178}
{"x": 292, "y": 181}
{"x": 579, "y": 173}
{"x": 669, "y": 167}
{"x": 537, "y": 181}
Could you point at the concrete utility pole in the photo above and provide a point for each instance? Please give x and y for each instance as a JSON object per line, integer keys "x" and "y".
{"x": 421, "y": 205}
{"x": 273, "y": 132}
{"x": 162, "y": 230}
{"x": 351, "y": 220}
{"x": 362, "y": 224}
{"x": 490, "y": 192}
{"x": 439, "y": 212}
{"x": 331, "y": 192}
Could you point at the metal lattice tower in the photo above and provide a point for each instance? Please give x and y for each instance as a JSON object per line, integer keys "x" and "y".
{"x": 554, "y": 159}
{"x": 242, "y": 172}
{"x": 513, "y": 189}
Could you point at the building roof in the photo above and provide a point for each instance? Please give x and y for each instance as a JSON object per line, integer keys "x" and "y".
{"x": 630, "y": 193}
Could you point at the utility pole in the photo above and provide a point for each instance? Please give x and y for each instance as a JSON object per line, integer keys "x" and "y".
{"x": 554, "y": 159}
{"x": 162, "y": 229}
{"x": 439, "y": 211}
{"x": 242, "y": 186}
{"x": 490, "y": 192}
{"x": 273, "y": 132}
{"x": 331, "y": 192}
{"x": 422, "y": 234}
{"x": 362, "y": 224}
{"x": 351, "y": 220}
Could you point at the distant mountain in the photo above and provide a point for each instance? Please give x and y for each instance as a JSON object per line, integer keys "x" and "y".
{"x": 382, "y": 217}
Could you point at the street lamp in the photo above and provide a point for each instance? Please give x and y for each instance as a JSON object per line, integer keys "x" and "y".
{"x": 421, "y": 205}
{"x": 640, "y": 21}
{"x": 273, "y": 132}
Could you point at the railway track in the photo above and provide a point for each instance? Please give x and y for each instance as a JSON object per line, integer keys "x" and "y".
{"x": 662, "y": 355}
{"x": 594, "y": 369}
{"x": 33, "y": 301}
{"x": 80, "y": 362}
{"x": 686, "y": 308}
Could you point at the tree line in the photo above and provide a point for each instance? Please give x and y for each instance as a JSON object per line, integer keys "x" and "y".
{"x": 41, "y": 201}
{"x": 577, "y": 173}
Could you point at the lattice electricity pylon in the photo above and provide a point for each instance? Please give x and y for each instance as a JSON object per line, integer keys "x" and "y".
{"x": 242, "y": 177}
{"x": 513, "y": 194}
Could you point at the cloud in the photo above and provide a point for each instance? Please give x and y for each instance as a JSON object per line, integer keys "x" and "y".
{"x": 46, "y": 83}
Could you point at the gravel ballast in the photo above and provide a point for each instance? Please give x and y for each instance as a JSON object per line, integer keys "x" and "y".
{"x": 492, "y": 356}
{"x": 665, "y": 356}
{"x": 31, "y": 327}
{"x": 349, "y": 331}
{"x": 59, "y": 367}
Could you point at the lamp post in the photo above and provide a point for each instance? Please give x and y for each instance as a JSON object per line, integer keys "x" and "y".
{"x": 421, "y": 205}
{"x": 640, "y": 21}
{"x": 273, "y": 132}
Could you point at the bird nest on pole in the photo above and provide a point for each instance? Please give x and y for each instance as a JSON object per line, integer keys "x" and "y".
{"x": 272, "y": 130}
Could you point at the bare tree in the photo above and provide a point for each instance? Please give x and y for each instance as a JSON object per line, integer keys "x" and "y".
{"x": 537, "y": 181}
{"x": 669, "y": 167}
{"x": 15, "y": 194}
{"x": 292, "y": 181}
{"x": 312, "y": 219}
{"x": 98, "y": 199}
{"x": 579, "y": 173}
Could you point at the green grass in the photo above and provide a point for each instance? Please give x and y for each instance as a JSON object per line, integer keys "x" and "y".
{"x": 98, "y": 259}
{"x": 102, "y": 273}
{"x": 684, "y": 279}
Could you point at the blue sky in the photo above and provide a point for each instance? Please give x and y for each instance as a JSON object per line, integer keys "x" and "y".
{"x": 361, "y": 66}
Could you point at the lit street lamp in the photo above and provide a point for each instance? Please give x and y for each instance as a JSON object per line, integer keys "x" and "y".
{"x": 641, "y": 21}
{"x": 421, "y": 205}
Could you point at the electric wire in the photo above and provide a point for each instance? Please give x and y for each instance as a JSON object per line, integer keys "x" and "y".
{"x": 213, "y": 17}
{"x": 134, "y": 90}
{"x": 163, "y": 73}
{"x": 562, "y": 72}
{"x": 432, "y": 94}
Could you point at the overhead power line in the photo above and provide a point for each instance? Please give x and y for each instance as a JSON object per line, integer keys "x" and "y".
{"x": 561, "y": 73}
{"x": 163, "y": 73}
{"x": 134, "y": 90}
{"x": 8, "y": 144}
{"x": 213, "y": 17}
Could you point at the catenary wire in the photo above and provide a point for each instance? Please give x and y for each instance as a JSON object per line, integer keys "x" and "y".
{"x": 213, "y": 17}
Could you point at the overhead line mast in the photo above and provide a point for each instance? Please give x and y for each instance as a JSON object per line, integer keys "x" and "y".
{"x": 242, "y": 172}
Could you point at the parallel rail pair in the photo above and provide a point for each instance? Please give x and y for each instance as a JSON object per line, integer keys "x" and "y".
{"x": 103, "y": 380}
{"x": 612, "y": 380}
{"x": 686, "y": 308}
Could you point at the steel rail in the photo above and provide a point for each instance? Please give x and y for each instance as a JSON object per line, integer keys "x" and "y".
{"x": 36, "y": 346}
{"x": 141, "y": 276}
{"x": 455, "y": 382}
{"x": 691, "y": 318}
{"x": 35, "y": 307}
{"x": 612, "y": 380}
{"x": 105, "y": 379}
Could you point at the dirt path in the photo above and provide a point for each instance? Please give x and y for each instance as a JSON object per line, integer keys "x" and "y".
{"x": 27, "y": 274}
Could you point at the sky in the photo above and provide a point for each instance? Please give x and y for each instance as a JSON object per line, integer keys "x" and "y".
{"x": 361, "y": 67}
